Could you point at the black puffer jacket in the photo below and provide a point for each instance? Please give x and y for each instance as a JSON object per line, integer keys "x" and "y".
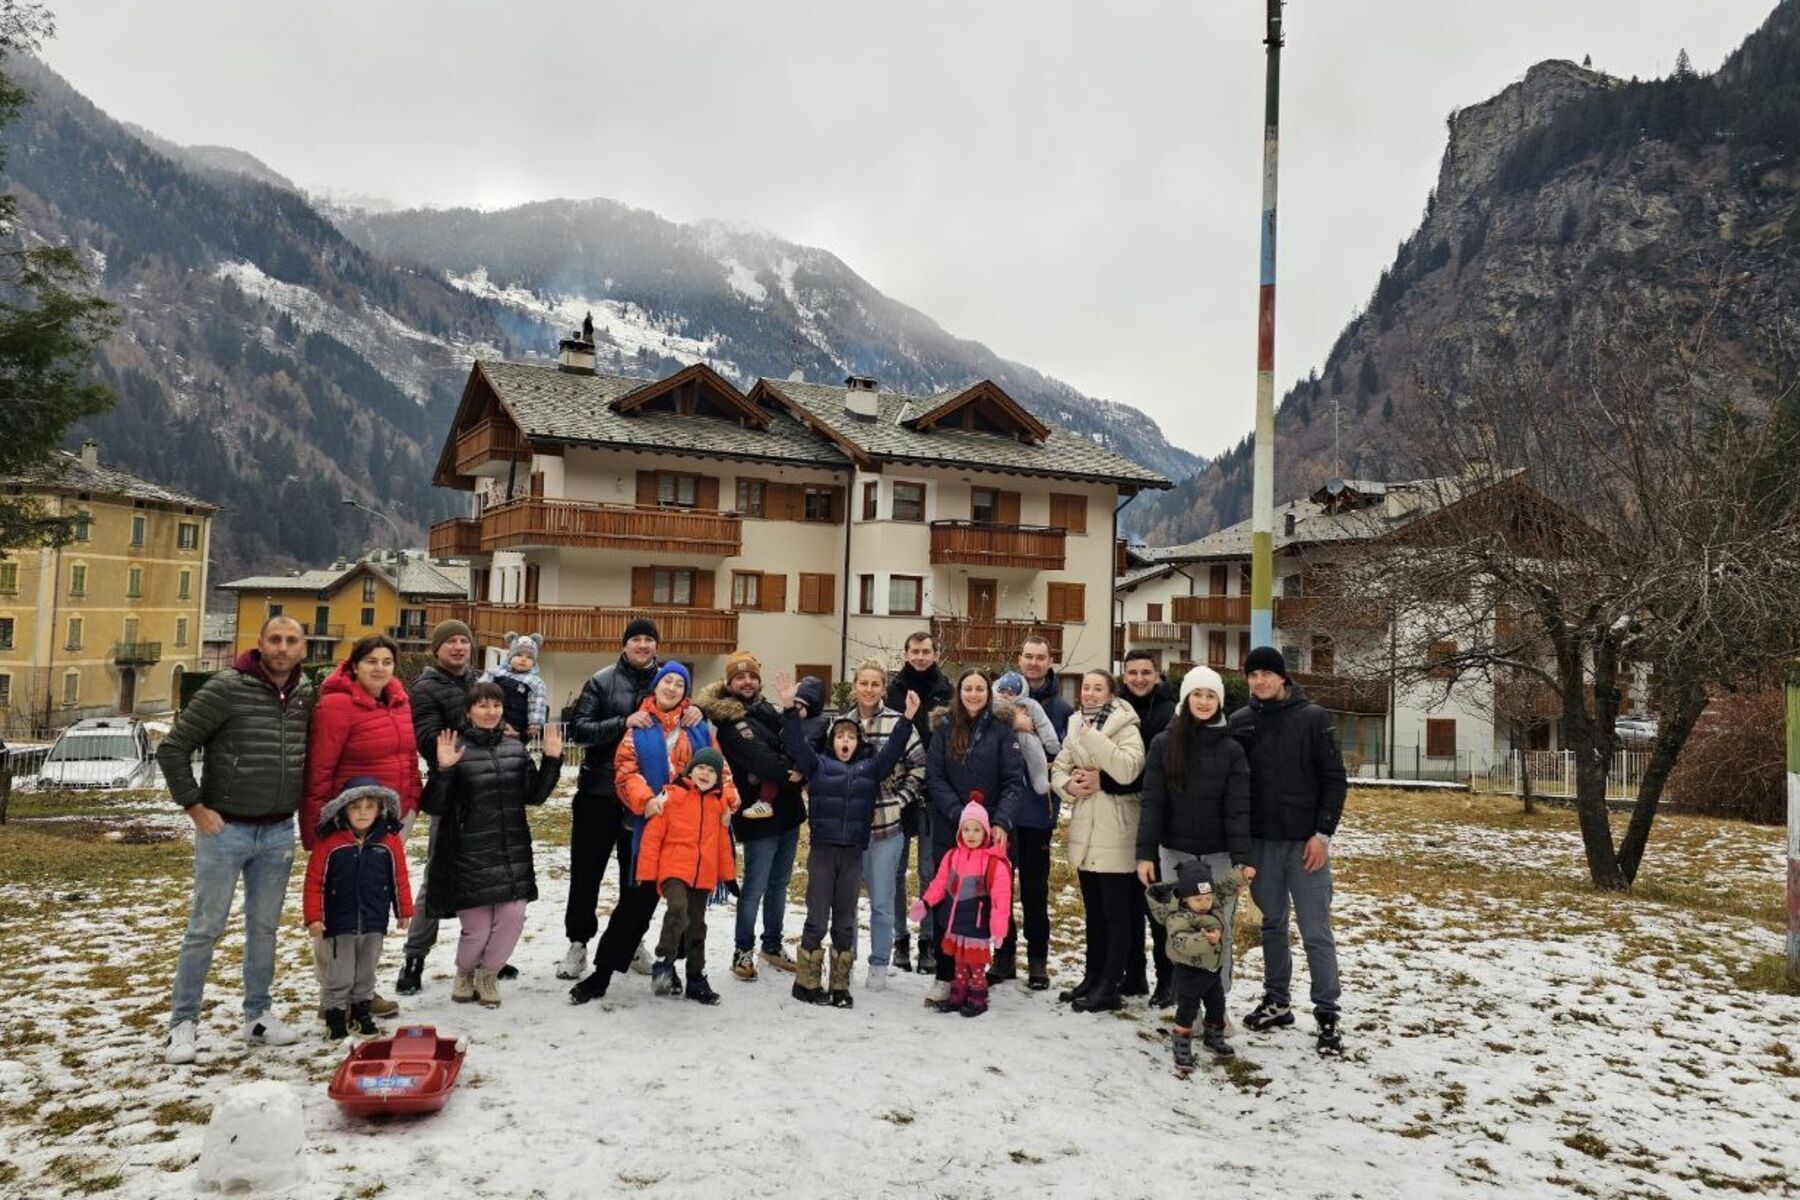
{"x": 610, "y": 695}
{"x": 749, "y": 736}
{"x": 484, "y": 850}
{"x": 255, "y": 741}
{"x": 934, "y": 688}
{"x": 1210, "y": 812}
{"x": 992, "y": 767}
{"x": 1297, "y": 780}
{"x": 437, "y": 699}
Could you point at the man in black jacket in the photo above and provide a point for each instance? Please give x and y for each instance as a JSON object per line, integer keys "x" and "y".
{"x": 920, "y": 673}
{"x": 1143, "y": 688}
{"x": 437, "y": 704}
{"x": 767, "y": 823}
{"x": 1297, "y": 787}
{"x": 600, "y": 828}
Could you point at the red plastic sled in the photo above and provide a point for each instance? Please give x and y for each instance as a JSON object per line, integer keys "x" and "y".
{"x": 411, "y": 1072}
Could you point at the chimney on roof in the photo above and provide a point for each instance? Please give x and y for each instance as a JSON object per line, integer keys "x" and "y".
{"x": 860, "y": 398}
{"x": 90, "y": 454}
{"x": 1288, "y": 525}
{"x": 575, "y": 353}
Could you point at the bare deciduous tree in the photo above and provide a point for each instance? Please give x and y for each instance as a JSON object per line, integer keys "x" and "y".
{"x": 1636, "y": 509}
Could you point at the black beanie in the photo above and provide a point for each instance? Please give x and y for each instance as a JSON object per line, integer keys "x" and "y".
{"x": 1266, "y": 658}
{"x": 1191, "y": 877}
{"x": 640, "y": 627}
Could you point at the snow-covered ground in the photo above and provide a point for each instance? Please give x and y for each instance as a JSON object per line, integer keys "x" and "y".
{"x": 1511, "y": 1033}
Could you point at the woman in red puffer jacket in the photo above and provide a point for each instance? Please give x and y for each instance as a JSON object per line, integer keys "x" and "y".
{"x": 362, "y": 725}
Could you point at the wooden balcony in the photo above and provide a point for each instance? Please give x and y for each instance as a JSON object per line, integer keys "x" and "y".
{"x": 1158, "y": 631}
{"x": 686, "y": 632}
{"x": 411, "y": 638}
{"x": 1212, "y": 610}
{"x": 1327, "y": 613}
{"x": 981, "y": 544}
{"x": 967, "y": 642}
{"x": 136, "y": 654}
{"x": 490, "y": 442}
{"x": 459, "y": 537}
{"x": 1342, "y": 693}
{"x": 535, "y": 522}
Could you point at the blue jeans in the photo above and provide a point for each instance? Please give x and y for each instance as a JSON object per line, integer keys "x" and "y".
{"x": 881, "y": 866}
{"x": 264, "y": 856}
{"x": 768, "y": 866}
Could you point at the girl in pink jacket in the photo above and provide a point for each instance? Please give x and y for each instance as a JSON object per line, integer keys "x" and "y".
{"x": 972, "y": 895}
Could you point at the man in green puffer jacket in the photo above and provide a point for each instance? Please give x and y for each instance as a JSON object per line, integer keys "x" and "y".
{"x": 1191, "y": 909}
{"x": 251, "y": 721}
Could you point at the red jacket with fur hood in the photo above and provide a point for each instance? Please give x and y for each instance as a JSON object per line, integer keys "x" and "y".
{"x": 354, "y": 734}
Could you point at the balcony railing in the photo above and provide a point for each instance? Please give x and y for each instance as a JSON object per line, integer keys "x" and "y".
{"x": 981, "y": 544}
{"x": 965, "y": 642}
{"x": 1327, "y": 613}
{"x": 1212, "y": 610}
{"x": 1342, "y": 693}
{"x": 647, "y": 528}
{"x": 490, "y": 441}
{"x": 137, "y": 654}
{"x": 1157, "y": 631}
{"x": 323, "y": 632}
{"x": 459, "y": 537}
{"x": 591, "y": 630}
{"x": 410, "y": 637}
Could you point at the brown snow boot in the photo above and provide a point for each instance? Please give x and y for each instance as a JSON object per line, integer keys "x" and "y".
{"x": 806, "y": 977}
{"x": 841, "y": 962}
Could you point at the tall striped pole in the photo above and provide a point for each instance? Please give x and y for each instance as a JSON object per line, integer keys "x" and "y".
{"x": 1793, "y": 815}
{"x": 1262, "y": 483}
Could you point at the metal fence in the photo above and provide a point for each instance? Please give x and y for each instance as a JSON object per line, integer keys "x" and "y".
{"x": 1552, "y": 773}
{"x": 1412, "y": 763}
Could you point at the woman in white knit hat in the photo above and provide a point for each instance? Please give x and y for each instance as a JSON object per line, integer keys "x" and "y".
{"x": 1196, "y": 797}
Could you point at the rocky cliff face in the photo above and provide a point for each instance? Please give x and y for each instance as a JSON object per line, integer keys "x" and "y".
{"x": 1560, "y": 201}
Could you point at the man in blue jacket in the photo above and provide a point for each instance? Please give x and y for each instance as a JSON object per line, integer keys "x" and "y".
{"x": 1297, "y": 787}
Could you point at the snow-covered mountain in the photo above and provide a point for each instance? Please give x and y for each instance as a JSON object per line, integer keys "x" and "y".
{"x": 745, "y": 301}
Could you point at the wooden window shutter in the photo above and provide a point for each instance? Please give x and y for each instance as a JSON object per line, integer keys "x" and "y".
{"x": 1153, "y": 613}
{"x": 646, "y": 487}
{"x": 707, "y": 494}
{"x": 537, "y": 483}
{"x": 1068, "y": 512}
{"x": 706, "y": 582}
{"x": 1440, "y": 737}
{"x": 643, "y": 584}
{"x": 774, "y": 593}
{"x": 531, "y": 583}
{"x": 1218, "y": 580}
{"x": 840, "y": 504}
{"x": 816, "y": 593}
{"x": 1007, "y": 509}
{"x": 1436, "y": 653}
{"x": 1067, "y": 602}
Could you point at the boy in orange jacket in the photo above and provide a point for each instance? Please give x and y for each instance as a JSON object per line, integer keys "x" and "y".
{"x": 686, "y": 851}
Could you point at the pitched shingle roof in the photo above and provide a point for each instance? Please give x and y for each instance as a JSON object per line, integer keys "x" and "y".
{"x": 564, "y": 406}
{"x": 415, "y": 577}
{"x": 66, "y": 471}
{"x": 1062, "y": 455}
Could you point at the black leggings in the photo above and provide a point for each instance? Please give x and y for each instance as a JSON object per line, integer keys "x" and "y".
{"x": 1106, "y": 897}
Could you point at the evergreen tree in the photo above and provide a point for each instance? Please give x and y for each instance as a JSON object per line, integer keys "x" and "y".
{"x": 48, "y": 327}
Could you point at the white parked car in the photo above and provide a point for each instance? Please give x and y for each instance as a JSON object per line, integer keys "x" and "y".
{"x": 104, "y": 753}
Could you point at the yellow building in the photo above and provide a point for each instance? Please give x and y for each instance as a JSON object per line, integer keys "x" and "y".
{"x": 380, "y": 593}
{"x": 110, "y": 622}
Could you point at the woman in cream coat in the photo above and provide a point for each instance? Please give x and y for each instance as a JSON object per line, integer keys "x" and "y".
{"x": 1101, "y": 747}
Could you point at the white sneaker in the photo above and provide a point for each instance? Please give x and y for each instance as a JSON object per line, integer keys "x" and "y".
{"x": 574, "y": 963}
{"x": 940, "y": 991}
{"x": 640, "y": 962}
{"x": 181, "y": 1044}
{"x": 877, "y": 979}
{"x": 268, "y": 1030}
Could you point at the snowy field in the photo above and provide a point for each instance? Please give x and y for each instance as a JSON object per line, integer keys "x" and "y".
{"x": 1510, "y": 1033}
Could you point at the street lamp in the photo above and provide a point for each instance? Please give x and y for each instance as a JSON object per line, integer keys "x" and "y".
{"x": 399, "y": 537}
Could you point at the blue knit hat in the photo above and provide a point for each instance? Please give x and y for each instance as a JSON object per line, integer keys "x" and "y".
{"x": 1011, "y": 683}
{"x": 674, "y": 668}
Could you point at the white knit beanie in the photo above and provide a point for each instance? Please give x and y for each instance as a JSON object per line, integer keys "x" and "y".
{"x": 1202, "y": 678}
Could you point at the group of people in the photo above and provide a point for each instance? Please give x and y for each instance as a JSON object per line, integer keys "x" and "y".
{"x": 953, "y": 789}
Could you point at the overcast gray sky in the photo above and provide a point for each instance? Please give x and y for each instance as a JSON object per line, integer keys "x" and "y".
{"x": 1075, "y": 184}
